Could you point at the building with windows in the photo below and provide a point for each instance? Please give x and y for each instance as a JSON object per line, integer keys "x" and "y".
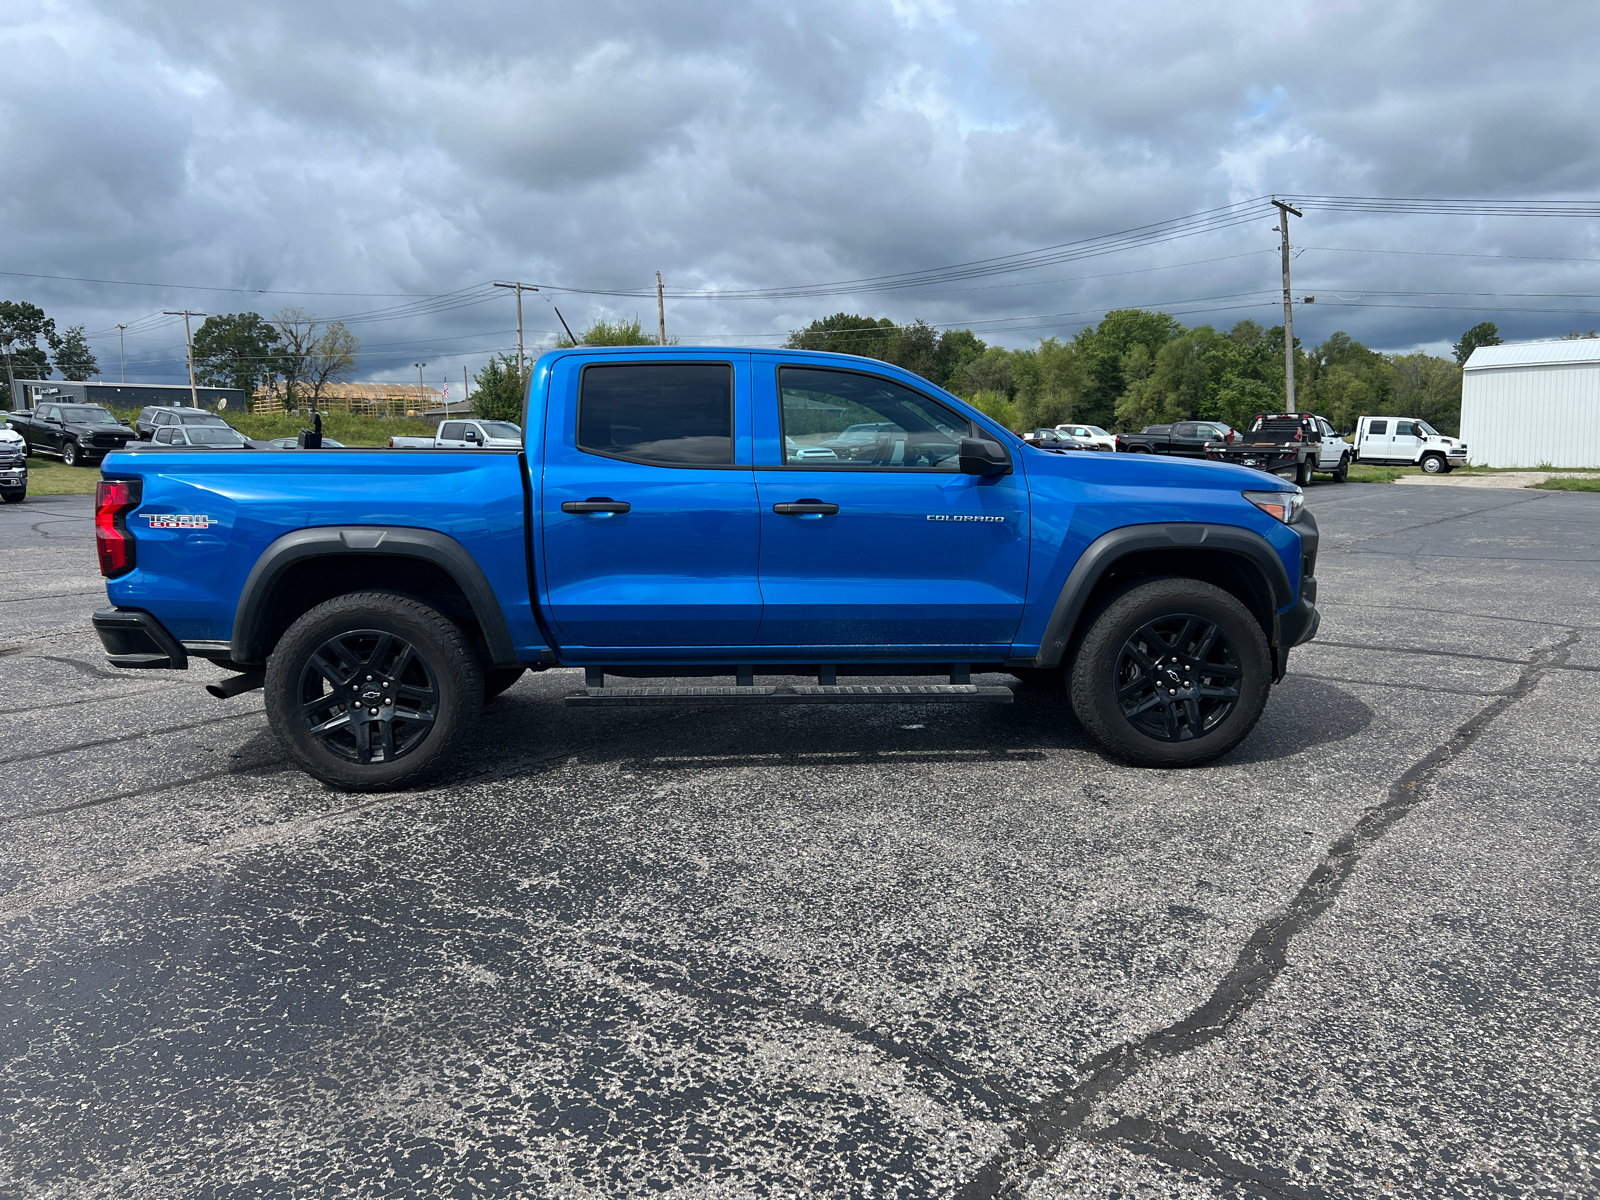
{"x": 1532, "y": 404}
{"x": 34, "y": 392}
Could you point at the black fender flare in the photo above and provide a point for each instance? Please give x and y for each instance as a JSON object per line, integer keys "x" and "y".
{"x": 390, "y": 541}
{"x": 1103, "y": 553}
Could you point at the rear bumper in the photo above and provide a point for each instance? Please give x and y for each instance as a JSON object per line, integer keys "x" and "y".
{"x": 135, "y": 639}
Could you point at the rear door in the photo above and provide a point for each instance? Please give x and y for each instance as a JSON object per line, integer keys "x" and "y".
{"x": 648, "y": 504}
{"x": 1377, "y": 442}
{"x": 890, "y": 550}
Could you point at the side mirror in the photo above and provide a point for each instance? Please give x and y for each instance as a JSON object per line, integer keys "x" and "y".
{"x": 471, "y": 435}
{"x": 979, "y": 456}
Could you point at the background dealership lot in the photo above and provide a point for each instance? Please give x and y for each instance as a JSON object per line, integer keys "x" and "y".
{"x": 728, "y": 953}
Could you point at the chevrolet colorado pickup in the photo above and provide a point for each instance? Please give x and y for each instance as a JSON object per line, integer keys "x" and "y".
{"x": 664, "y": 520}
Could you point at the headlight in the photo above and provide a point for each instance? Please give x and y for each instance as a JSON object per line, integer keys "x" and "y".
{"x": 1283, "y": 505}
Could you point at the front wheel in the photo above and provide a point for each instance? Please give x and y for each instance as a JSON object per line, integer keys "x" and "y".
{"x": 370, "y": 691}
{"x": 1433, "y": 464}
{"x": 70, "y": 454}
{"x": 16, "y": 497}
{"x": 1173, "y": 673}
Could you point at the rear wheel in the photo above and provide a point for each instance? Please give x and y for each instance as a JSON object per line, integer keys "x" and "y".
{"x": 371, "y": 691}
{"x": 1173, "y": 673}
{"x": 1302, "y": 473}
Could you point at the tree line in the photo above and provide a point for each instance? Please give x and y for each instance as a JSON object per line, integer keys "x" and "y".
{"x": 1137, "y": 368}
{"x": 238, "y": 350}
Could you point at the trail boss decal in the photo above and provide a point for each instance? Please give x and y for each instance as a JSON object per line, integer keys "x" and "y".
{"x": 179, "y": 521}
{"x": 963, "y": 517}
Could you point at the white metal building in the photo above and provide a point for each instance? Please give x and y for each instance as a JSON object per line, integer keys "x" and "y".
{"x": 1533, "y": 404}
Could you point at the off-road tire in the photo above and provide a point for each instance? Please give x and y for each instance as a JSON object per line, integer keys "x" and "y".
{"x": 438, "y": 643}
{"x": 70, "y": 454}
{"x": 1094, "y": 675}
{"x": 498, "y": 679}
{"x": 1342, "y": 471}
{"x": 1434, "y": 464}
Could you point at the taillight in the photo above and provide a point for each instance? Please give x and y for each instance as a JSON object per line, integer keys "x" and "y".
{"x": 113, "y": 500}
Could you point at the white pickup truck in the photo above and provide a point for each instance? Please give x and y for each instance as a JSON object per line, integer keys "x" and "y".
{"x": 1408, "y": 441}
{"x": 475, "y": 433}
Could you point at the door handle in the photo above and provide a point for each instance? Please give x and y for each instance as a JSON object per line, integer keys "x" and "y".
{"x": 806, "y": 508}
{"x": 596, "y": 504}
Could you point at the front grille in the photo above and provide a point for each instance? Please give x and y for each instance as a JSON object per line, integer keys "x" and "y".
{"x": 108, "y": 439}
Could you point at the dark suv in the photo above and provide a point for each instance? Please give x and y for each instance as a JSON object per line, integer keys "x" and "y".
{"x": 154, "y": 417}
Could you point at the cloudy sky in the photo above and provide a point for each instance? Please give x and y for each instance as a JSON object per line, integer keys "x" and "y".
{"x": 383, "y": 162}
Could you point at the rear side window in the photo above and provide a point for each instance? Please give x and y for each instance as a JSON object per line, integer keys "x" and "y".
{"x": 673, "y": 414}
{"x": 1378, "y": 427}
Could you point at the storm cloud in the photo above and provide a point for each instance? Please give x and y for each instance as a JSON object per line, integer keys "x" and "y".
{"x": 358, "y": 157}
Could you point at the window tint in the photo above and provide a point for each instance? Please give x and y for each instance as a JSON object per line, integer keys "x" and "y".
{"x": 214, "y": 435}
{"x": 87, "y": 414}
{"x": 199, "y": 419}
{"x": 678, "y": 414}
{"x": 165, "y": 436}
{"x": 500, "y": 429}
{"x": 1378, "y": 427}
{"x": 840, "y": 418}
{"x": 453, "y": 431}
{"x": 1405, "y": 429}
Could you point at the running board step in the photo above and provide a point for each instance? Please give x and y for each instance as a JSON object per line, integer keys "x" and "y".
{"x": 915, "y": 693}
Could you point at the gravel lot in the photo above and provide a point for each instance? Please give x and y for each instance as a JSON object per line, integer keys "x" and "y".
{"x": 831, "y": 952}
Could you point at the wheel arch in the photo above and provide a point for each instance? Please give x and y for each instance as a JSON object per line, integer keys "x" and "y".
{"x": 302, "y": 569}
{"x": 1239, "y": 561}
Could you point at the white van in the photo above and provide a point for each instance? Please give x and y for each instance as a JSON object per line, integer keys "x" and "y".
{"x": 1408, "y": 441}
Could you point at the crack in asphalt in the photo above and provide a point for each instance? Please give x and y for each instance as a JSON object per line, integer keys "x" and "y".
{"x": 1033, "y": 1145}
{"x": 1450, "y": 612}
{"x": 1410, "y": 687}
{"x": 129, "y": 737}
{"x": 1193, "y": 1152}
{"x": 980, "y": 1086}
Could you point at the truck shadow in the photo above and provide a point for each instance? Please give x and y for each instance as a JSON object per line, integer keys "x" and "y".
{"x": 1301, "y": 714}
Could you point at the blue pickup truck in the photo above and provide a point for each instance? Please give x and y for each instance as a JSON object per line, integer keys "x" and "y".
{"x": 712, "y": 518}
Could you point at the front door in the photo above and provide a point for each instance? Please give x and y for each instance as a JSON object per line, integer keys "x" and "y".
{"x": 1407, "y": 442}
{"x": 870, "y": 536}
{"x": 649, "y": 524}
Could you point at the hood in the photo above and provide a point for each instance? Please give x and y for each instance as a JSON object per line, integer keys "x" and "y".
{"x": 10, "y": 437}
{"x": 1149, "y": 470}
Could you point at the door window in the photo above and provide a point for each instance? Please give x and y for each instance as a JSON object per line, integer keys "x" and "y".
{"x": 166, "y": 436}
{"x": 1377, "y": 428}
{"x": 848, "y": 419}
{"x": 1405, "y": 429}
{"x": 666, "y": 414}
{"x": 1185, "y": 430}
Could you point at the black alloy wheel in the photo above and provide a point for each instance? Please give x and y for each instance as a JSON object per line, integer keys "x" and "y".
{"x": 1177, "y": 677}
{"x": 372, "y": 690}
{"x": 1171, "y": 673}
{"x": 368, "y": 696}
{"x": 70, "y": 454}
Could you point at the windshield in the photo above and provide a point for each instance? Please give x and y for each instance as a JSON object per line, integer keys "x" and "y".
{"x": 214, "y": 435}
{"x": 88, "y": 414}
{"x": 500, "y": 429}
{"x": 1096, "y": 431}
{"x": 1427, "y": 429}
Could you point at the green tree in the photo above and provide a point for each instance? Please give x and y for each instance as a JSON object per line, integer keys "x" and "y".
{"x": 74, "y": 359}
{"x": 497, "y": 394}
{"x": 1050, "y": 382}
{"x": 1102, "y": 350}
{"x": 239, "y": 350}
{"x": 847, "y": 333}
{"x": 613, "y": 333}
{"x": 22, "y": 325}
{"x": 1484, "y": 333}
{"x": 1427, "y": 387}
{"x": 1577, "y": 335}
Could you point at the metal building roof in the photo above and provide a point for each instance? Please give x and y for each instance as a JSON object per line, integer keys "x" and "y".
{"x": 1535, "y": 354}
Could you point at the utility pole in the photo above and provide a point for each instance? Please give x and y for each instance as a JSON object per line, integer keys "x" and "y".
{"x": 422, "y": 394}
{"x": 11, "y": 378}
{"x": 520, "y": 288}
{"x": 1288, "y": 307}
{"x": 122, "y": 352}
{"x": 661, "y": 310}
{"x": 188, "y": 337}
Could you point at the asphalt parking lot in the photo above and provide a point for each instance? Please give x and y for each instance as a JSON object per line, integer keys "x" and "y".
{"x": 831, "y": 952}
